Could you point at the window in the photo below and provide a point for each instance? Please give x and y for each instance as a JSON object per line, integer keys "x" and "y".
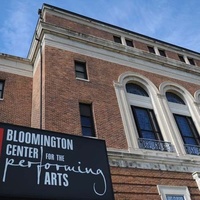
{"x": 173, "y": 192}
{"x": 171, "y": 97}
{"x": 1, "y": 88}
{"x": 175, "y": 197}
{"x": 149, "y": 134}
{"x": 151, "y": 49}
{"x": 137, "y": 97}
{"x": 87, "y": 123}
{"x": 184, "y": 123}
{"x": 191, "y": 61}
{"x": 189, "y": 134}
{"x": 129, "y": 43}
{"x": 181, "y": 58}
{"x": 146, "y": 123}
{"x": 162, "y": 52}
{"x": 136, "y": 89}
{"x": 80, "y": 70}
{"x": 117, "y": 39}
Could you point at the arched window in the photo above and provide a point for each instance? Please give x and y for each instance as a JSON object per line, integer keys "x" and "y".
{"x": 136, "y": 89}
{"x": 181, "y": 119}
{"x": 146, "y": 122}
{"x": 185, "y": 125}
{"x": 171, "y": 97}
{"x": 137, "y": 98}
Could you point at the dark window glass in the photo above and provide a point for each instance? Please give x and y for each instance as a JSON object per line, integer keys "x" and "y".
{"x": 171, "y": 97}
{"x": 151, "y": 49}
{"x": 129, "y": 43}
{"x": 135, "y": 89}
{"x": 162, "y": 52}
{"x": 187, "y": 129}
{"x": 117, "y": 39}
{"x": 80, "y": 70}
{"x": 146, "y": 123}
{"x": 191, "y": 61}
{"x": 181, "y": 58}
{"x": 175, "y": 197}
{"x": 87, "y": 123}
{"x": 1, "y": 88}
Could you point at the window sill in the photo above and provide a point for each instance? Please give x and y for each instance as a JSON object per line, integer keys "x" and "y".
{"x": 82, "y": 79}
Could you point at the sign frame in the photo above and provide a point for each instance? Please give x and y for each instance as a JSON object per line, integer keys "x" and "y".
{"x": 42, "y": 164}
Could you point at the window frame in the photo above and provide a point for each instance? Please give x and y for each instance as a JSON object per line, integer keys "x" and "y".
{"x": 165, "y": 190}
{"x": 129, "y": 42}
{"x": 189, "y": 109}
{"x": 125, "y": 100}
{"x": 138, "y": 90}
{"x": 194, "y": 133}
{"x": 153, "y": 122}
{"x": 151, "y": 49}
{"x": 181, "y": 58}
{"x": 191, "y": 61}
{"x": 117, "y": 39}
{"x": 174, "y": 98}
{"x": 89, "y": 117}
{"x": 2, "y": 82}
{"x": 174, "y": 197}
{"x": 80, "y": 64}
{"x": 162, "y": 52}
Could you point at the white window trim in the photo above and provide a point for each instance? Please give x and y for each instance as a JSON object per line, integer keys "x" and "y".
{"x": 197, "y": 96}
{"x": 191, "y": 110}
{"x": 124, "y": 100}
{"x": 196, "y": 177}
{"x": 173, "y": 190}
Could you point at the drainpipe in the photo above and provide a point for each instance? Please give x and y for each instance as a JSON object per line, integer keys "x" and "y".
{"x": 41, "y": 71}
{"x": 41, "y": 114}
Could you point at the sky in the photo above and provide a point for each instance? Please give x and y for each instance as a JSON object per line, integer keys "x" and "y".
{"x": 173, "y": 21}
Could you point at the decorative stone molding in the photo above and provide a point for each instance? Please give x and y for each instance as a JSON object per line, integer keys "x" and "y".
{"x": 196, "y": 177}
{"x": 157, "y": 162}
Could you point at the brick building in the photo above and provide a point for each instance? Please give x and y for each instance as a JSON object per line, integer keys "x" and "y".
{"x": 139, "y": 94}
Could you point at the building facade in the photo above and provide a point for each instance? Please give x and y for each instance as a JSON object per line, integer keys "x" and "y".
{"x": 139, "y": 94}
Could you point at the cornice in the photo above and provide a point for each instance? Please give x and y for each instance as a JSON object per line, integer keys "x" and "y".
{"x": 100, "y": 43}
{"x": 114, "y": 29}
{"x": 15, "y": 65}
{"x": 153, "y": 162}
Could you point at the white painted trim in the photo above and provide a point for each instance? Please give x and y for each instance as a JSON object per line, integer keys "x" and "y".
{"x": 119, "y": 31}
{"x": 143, "y": 62}
{"x": 190, "y": 109}
{"x": 16, "y": 67}
{"x": 162, "y": 109}
{"x": 197, "y": 96}
{"x": 196, "y": 177}
{"x": 125, "y": 101}
{"x": 173, "y": 190}
{"x": 154, "y": 160}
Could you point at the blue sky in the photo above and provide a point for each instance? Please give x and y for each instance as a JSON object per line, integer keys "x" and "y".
{"x": 173, "y": 21}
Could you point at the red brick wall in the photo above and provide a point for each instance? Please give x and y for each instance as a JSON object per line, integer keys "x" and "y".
{"x": 37, "y": 114}
{"x": 197, "y": 62}
{"x": 15, "y": 108}
{"x": 71, "y": 25}
{"x": 35, "y": 117}
{"x": 139, "y": 184}
{"x": 172, "y": 55}
{"x": 63, "y": 92}
{"x": 88, "y": 30}
{"x": 141, "y": 45}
